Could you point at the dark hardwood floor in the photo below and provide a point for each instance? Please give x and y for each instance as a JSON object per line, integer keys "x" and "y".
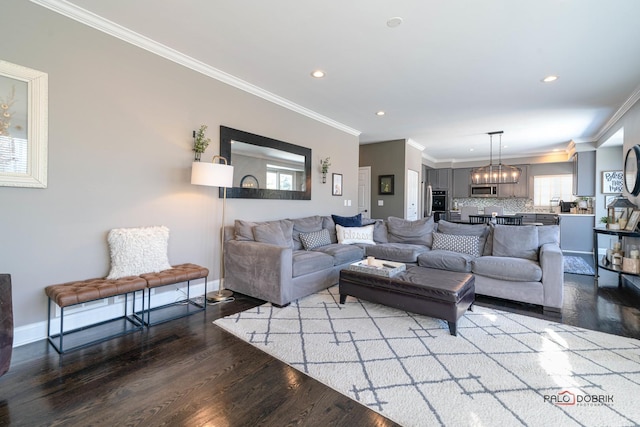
{"x": 188, "y": 372}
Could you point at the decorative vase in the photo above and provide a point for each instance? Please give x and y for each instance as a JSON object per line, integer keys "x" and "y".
{"x": 198, "y": 156}
{"x": 324, "y": 177}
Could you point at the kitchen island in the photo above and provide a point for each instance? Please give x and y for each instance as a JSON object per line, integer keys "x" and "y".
{"x": 575, "y": 232}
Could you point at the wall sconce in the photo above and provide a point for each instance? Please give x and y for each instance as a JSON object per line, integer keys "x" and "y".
{"x": 324, "y": 166}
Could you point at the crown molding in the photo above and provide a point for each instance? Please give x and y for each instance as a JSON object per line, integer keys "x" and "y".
{"x": 106, "y": 26}
{"x": 415, "y": 145}
{"x": 626, "y": 106}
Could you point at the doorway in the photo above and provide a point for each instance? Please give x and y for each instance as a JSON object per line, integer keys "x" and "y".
{"x": 364, "y": 191}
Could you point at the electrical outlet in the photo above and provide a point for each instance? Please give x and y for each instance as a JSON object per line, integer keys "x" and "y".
{"x": 380, "y": 202}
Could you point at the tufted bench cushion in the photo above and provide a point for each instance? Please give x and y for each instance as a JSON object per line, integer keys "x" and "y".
{"x": 80, "y": 291}
{"x": 185, "y": 307}
{"x": 177, "y": 274}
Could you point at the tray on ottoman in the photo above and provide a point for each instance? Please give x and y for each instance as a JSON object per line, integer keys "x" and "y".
{"x": 436, "y": 293}
{"x": 378, "y": 267}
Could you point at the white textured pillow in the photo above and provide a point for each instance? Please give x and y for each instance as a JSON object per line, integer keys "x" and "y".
{"x": 457, "y": 243}
{"x": 137, "y": 251}
{"x": 348, "y": 235}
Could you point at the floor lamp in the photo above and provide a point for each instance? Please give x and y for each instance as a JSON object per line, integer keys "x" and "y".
{"x": 216, "y": 175}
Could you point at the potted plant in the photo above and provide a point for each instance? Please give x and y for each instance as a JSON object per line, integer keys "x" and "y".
{"x": 324, "y": 165}
{"x": 201, "y": 142}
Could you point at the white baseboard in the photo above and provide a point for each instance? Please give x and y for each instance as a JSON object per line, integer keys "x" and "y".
{"x": 108, "y": 308}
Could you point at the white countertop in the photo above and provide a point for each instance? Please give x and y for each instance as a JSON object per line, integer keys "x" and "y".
{"x": 570, "y": 214}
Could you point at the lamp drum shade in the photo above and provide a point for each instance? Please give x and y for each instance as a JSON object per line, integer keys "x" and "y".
{"x": 212, "y": 174}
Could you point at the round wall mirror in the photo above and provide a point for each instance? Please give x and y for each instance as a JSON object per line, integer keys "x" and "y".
{"x": 631, "y": 169}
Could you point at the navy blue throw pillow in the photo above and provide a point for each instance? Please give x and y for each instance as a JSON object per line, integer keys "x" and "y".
{"x": 348, "y": 221}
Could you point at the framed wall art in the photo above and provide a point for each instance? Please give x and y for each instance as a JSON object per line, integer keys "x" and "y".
{"x": 23, "y": 126}
{"x": 336, "y": 184}
{"x": 612, "y": 182}
{"x": 633, "y": 221}
{"x": 385, "y": 184}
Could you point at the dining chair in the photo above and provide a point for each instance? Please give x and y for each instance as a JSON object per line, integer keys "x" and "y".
{"x": 465, "y": 211}
{"x": 479, "y": 219}
{"x": 509, "y": 220}
{"x": 488, "y": 210}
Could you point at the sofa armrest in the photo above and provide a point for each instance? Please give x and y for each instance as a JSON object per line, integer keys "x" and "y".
{"x": 260, "y": 270}
{"x": 552, "y": 264}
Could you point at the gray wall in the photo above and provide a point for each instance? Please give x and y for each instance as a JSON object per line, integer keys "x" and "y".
{"x": 386, "y": 158}
{"x": 120, "y": 124}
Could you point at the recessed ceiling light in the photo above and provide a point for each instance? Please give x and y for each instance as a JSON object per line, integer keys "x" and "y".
{"x": 471, "y": 149}
{"x": 318, "y": 74}
{"x": 380, "y": 113}
{"x": 550, "y": 79}
{"x": 394, "y": 22}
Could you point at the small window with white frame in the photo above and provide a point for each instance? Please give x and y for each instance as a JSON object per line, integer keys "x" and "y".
{"x": 548, "y": 187}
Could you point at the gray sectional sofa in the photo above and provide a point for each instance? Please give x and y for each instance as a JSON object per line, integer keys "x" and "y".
{"x": 281, "y": 261}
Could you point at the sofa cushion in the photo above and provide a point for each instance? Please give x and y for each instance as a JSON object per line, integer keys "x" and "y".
{"x": 379, "y": 230}
{"x": 342, "y": 254}
{"x": 315, "y": 239}
{"x": 348, "y": 221}
{"x": 446, "y": 260}
{"x": 398, "y": 252}
{"x": 271, "y": 232}
{"x": 305, "y": 262}
{"x": 507, "y": 268}
{"x": 349, "y": 235}
{"x": 327, "y": 222}
{"x": 305, "y": 225}
{"x": 414, "y": 232}
{"x": 481, "y": 230}
{"x": 243, "y": 230}
{"x": 515, "y": 241}
{"x": 548, "y": 234}
{"x": 469, "y": 245}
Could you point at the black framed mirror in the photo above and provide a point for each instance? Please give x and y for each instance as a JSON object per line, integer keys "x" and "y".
{"x": 275, "y": 169}
{"x": 632, "y": 170}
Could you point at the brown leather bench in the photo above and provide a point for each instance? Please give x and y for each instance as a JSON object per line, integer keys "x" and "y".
{"x": 83, "y": 291}
{"x": 183, "y": 307}
{"x": 436, "y": 293}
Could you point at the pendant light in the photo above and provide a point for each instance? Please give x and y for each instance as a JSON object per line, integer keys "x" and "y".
{"x": 495, "y": 174}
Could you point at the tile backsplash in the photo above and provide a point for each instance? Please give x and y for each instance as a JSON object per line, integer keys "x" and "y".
{"x": 510, "y": 205}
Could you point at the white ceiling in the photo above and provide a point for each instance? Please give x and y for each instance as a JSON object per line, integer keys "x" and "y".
{"x": 451, "y": 72}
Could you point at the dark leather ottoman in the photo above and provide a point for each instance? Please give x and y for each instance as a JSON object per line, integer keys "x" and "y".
{"x": 436, "y": 293}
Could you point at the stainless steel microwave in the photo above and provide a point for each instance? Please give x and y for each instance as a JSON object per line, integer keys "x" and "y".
{"x": 484, "y": 190}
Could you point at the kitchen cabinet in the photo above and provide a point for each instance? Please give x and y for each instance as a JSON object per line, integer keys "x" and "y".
{"x": 461, "y": 182}
{"x": 519, "y": 189}
{"x": 440, "y": 179}
{"x": 584, "y": 173}
{"x": 547, "y": 218}
{"x": 573, "y": 232}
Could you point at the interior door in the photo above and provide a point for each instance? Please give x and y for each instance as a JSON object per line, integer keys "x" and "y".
{"x": 364, "y": 191}
{"x": 413, "y": 194}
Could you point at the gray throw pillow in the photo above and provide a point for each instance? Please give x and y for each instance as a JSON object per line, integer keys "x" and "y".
{"x": 515, "y": 241}
{"x": 270, "y": 232}
{"x": 415, "y": 232}
{"x": 481, "y": 230}
{"x": 315, "y": 239}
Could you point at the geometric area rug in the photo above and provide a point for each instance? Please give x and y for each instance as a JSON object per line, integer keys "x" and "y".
{"x": 577, "y": 265}
{"x": 502, "y": 369}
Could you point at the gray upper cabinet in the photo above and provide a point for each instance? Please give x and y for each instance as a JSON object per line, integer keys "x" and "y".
{"x": 461, "y": 182}
{"x": 520, "y": 189}
{"x": 584, "y": 174}
{"x": 440, "y": 179}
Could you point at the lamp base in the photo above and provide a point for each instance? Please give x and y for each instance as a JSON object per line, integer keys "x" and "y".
{"x": 221, "y": 295}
